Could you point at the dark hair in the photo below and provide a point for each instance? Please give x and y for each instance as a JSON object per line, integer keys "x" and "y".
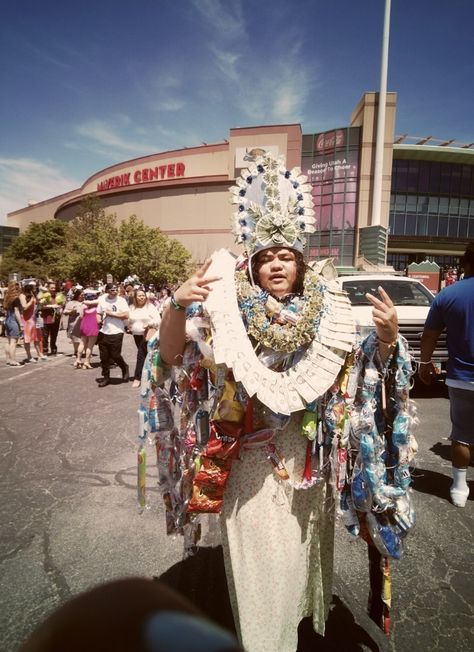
{"x": 300, "y": 271}
{"x": 468, "y": 257}
{"x": 77, "y": 293}
{"x": 134, "y": 297}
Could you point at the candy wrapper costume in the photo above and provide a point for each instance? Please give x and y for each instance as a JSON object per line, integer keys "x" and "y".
{"x": 276, "y": 419}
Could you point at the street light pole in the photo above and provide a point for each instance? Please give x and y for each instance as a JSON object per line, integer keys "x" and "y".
{"x": 380, "y": 137}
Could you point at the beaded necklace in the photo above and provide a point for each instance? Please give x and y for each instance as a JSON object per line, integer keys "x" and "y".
{"x": 275, "y": 325}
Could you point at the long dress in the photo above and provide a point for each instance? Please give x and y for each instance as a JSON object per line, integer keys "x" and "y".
{"x": 278, "y": 547}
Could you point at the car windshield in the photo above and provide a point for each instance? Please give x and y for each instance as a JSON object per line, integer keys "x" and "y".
{"x": 402, "y": 293}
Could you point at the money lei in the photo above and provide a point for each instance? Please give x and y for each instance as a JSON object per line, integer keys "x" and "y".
{"x": 280, "y": 337}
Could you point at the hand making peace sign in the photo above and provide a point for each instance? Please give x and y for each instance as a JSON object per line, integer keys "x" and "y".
{"x": 384, "y": 316}
{"x": 197, "y": 287}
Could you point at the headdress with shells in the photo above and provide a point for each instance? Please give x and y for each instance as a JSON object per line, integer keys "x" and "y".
{"x": 274, "y": 206}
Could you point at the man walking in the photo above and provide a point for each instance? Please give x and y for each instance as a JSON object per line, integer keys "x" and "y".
{"x": 453, "y": 309}
{"x": 112, "y": 312}
{"x": 52, "y": 303}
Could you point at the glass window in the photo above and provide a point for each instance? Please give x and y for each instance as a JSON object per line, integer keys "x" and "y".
{"x": 402, "y": 293}
{"x": 445, "y": 177}
{"x": 434, "y": 177}
{"x": 400, "y": 202}
{"x": 463, "y": 227}
{"x": 411, "y": 203}
{"x": 454, "y": 206}
{"x": 471, "y": 207}
{"x": 351, "y": 197}
{"x": 410, "y": 225}
{"x": 339, "y": 198}
{"x": 338, "y": 216}
{"x": 424, "y": 177}
{"x": 455, "y": 179}
{"x": 412, "y": 177}
{"x": 443, "y": 225}
{"x": 349, "y": 215}
{"x": 422, "y": 204}
{"x": 432, "y": 225}
{"x": 443, "y": 205}
{"x": 401, "y": 176}
{"x": 463, "y": 206}
{"x": 421, "y": 224}
{"x": 465, "y": 180}
{"x": 471, "y": 229}
{"x": 453, "y": 227}
{"x": 433, "y": 205}
{"x": 399, "y": 224}
{"x": 351, "y": 186}
{"x": 325, "y": 217}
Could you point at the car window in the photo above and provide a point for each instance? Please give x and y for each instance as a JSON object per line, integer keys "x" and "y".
{"x": 401, "y": 293}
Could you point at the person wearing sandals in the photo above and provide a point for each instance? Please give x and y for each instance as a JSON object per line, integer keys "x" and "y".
{"x": 12, "y": 305}
{"x": 73, "y": 312}
{"x": 143, "y": 315}
{"x": 89, "y": 327}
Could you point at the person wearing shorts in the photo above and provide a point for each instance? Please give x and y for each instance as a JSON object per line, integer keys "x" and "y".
{"x": 453, "y": 309}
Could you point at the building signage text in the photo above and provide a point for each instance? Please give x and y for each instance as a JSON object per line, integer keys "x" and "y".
{"x": 145, "y": 175}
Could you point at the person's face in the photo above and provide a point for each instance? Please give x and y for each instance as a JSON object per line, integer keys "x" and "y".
{"x": 277, "y": 270}
{"x": 141, "y": 298}
{"x": 112, "y": 292}
{"x": 51, "y": 287}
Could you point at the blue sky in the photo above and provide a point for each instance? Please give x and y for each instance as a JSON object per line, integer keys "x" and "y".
{"x": 89, "y": 84}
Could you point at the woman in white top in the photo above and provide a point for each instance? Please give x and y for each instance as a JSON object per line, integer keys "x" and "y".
{"x": 143, "y": 315}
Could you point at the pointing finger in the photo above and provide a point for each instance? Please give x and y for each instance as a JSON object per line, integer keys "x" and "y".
{"x": 385, "y": 297}
{"x": 204, "y": 267}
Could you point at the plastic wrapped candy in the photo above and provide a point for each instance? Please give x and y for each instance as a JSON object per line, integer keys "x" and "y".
{"x": 361, "y": 494}
{"x": 384, "y": 535}
{"x": 348, "y": 513}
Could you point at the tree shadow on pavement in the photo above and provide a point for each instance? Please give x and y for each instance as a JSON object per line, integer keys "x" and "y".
{"x": 435, "y": 484}
{"x": 202, "y": 580}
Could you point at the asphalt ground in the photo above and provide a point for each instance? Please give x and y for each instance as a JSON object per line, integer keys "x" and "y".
{"x": 69, "y": 519}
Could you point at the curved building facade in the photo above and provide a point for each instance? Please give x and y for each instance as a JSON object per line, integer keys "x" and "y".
{"x": 427, "y": 191}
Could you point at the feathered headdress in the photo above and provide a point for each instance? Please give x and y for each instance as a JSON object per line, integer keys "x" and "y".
{"x": 275, "y": 206}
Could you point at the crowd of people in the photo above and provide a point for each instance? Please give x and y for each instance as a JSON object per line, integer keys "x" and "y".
{"x": 97, "y": 314}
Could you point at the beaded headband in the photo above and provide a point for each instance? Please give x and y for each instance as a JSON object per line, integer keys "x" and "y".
{"x": 275, "y": 206}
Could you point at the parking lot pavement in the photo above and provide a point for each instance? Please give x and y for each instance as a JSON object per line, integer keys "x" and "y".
{"x": 69, "y": 519}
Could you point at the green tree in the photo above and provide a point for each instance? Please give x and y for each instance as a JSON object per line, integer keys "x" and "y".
{"x": 34, "y": 253}
{"x": 148, "y": 253}
{"x": 91, "y": 244}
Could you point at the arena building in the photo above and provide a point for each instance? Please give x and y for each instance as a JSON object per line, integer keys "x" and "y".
{"x": 427, "y": 191}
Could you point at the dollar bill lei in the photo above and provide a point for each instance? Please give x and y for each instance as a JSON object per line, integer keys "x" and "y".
{"x": 259, "y": 310}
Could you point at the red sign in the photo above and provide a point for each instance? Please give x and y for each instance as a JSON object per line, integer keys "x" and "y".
{"x": 158, "y": 173}
{"x": 429, "y": 279}
{"x": 330, "y": 140}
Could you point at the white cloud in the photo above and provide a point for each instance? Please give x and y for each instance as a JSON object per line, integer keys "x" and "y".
{"x": 224, "y": 17}
{"x": 101, "y": 132}
{"x": 23, "y": 180}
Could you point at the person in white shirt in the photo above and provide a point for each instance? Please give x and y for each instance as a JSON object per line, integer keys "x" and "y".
{"x": 143, "y": 315}
{"x": 112, "y": 313}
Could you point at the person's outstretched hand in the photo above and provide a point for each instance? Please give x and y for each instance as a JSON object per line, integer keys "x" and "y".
{"x": 384, "y": 316}
{"x": 197, "y": 287}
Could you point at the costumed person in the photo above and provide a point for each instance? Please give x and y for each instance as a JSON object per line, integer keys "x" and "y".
{"x": 280, "y": 416}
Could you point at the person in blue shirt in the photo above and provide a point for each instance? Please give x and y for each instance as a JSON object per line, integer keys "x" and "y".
{"x": 453, "y": 310}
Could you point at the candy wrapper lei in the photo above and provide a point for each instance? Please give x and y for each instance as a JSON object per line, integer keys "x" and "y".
{"x": 376, "y": 499}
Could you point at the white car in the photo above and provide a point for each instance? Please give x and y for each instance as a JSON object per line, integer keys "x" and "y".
{"x": 411, "y": 299}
